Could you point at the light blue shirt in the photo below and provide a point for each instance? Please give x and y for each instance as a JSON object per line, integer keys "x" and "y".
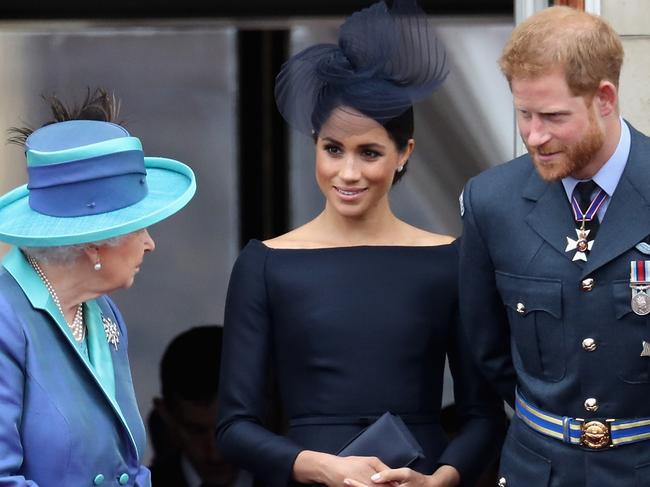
{"x": 610, "y": 174}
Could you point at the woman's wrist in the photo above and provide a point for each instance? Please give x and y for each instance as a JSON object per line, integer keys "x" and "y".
{"x": 310, "y": 467}
{"x": 445, "y": 476}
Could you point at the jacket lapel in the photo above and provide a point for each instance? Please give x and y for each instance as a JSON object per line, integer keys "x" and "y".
{"x": 550, "y": 216}
{"x": 125, "y": 406}
{"x": 113, "y": 402}
{"x": 627, "y": 220}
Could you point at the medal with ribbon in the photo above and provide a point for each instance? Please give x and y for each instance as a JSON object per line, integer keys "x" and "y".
{"x": 582, "y": 244}
{"x": 640, "y": 282}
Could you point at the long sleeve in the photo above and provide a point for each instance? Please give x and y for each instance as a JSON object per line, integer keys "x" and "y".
{"x": 12, "y": 378}
{"x": 246, "y": 358}
{"x": 480, "y": 413}
{"x": 143, "y": 477}
{"x": 483, "y": 316}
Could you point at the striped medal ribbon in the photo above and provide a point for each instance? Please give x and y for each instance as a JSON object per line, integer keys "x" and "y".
{"x": 640, "y": 282}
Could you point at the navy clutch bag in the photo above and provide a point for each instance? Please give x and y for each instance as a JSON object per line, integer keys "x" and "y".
{"x": 388, "y": 439}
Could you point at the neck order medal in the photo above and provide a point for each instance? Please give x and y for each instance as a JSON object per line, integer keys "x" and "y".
{"x": 583, "y": 245}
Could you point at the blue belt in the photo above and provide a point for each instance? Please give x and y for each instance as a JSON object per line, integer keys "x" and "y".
{"x": 594, "y": 434}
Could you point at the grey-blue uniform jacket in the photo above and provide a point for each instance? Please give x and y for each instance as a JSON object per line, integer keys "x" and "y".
{"x": 527, "y": 309}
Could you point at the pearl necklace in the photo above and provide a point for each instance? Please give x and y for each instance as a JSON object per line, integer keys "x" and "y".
{"x": 77, "y": 327}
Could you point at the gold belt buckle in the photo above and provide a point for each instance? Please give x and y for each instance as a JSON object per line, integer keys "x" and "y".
{"x": 595, "y": 433}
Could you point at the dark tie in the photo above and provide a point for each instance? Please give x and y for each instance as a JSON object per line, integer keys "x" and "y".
{"x": 584, "y": 194}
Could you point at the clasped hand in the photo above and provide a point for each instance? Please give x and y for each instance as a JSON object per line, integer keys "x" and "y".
{"x": 331, "y": 470}
{"x": 334, "y": 471}
{"x": 359, "y": 469}
{"x": 445, "y": 476}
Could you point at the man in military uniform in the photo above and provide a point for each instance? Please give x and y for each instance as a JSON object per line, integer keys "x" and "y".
{"x": 555, "y": 266}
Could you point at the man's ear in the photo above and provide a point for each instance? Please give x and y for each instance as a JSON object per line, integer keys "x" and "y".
{"x": 606, "y": 98}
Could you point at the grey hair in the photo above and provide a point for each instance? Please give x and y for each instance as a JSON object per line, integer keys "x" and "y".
{"x": 65, "y": 254}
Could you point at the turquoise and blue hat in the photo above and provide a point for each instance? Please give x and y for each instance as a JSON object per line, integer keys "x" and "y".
{"x": 90, "y": 181}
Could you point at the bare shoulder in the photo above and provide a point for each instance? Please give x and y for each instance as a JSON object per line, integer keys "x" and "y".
{"x": 418, "y": 237}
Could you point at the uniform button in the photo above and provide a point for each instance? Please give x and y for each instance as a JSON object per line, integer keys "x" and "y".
{"x": 589, "y": 344}
{"x": 591, "y": 405}
{"x": 99, "y": 479}
{"x": 502, "y": 482}
{"x": 587, "y": 284}
{"x": 521, "y": 309}
{"x": 124, "y": 478}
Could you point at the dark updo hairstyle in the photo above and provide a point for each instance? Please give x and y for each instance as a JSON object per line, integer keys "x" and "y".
{"x": 400, "y": 130}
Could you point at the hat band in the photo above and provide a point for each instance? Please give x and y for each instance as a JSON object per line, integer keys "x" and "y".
{"x": 88, "y": 187}
{"x": 106, "y": 147}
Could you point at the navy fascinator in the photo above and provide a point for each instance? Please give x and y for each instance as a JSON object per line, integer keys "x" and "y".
{"x": 385, "y": 60}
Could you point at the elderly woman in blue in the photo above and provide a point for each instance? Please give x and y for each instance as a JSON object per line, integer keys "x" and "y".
{"x": 68, "y": 413}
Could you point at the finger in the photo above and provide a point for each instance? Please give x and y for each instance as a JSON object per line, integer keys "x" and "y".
{"x": 398, "y": 475}
{"x": 354, "y": 483}
{"x": 378, "y": 465}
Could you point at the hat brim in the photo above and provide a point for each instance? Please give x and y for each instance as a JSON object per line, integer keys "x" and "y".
{"x": 171, "y": 184}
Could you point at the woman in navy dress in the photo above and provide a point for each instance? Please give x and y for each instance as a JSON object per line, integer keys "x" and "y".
{"x": 355, "y": 311}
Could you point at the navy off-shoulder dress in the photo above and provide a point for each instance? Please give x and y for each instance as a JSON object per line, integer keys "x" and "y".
{"x": 350, "y": 332}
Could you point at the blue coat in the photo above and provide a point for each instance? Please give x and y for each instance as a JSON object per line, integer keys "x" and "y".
{"x": 64, "y": 422}
{"x": 526, "y": 308}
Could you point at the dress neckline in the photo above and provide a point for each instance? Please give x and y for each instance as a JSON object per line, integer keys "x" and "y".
{"x": 350, "y": 247}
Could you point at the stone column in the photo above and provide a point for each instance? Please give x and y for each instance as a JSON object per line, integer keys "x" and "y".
{"x": 631, "y": 19}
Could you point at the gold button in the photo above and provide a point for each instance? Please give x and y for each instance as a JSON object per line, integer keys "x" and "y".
{"x": 521, "y": 309}
{"x": 591, "y": 405}
{"x": 587, "y": 284}
{"x": 502, "y": 482}
{"x": 589, "y": 344}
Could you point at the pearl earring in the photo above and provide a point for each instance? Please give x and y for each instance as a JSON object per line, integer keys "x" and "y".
{"x": 400, "y": 168}
{"x": 98, "y": 265}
